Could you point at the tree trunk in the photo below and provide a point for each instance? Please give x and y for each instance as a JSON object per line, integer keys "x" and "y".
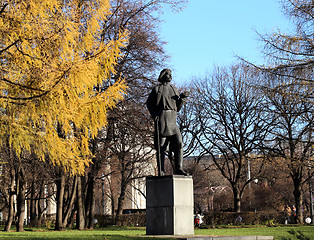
{"x": 49, "y": 201}
{"x": 120, "y": 201}
{"x": 71, "y": 202}
{"x": 90, "y": 196}
{"x": 90, "y": 203}
{"x": 298, "y": 197}
{"x": 11, "y": 203}
{"x": 60, "y": 183}
{"x": 20, "y": 203}
{"x": 236, "y": 199}
{"x": 112, "y": 199}
{"x": 40, "y": 203}
{"x": 32, "y": 207}
{"x": 72, "y": 216}
{"x": 80, "y": 218}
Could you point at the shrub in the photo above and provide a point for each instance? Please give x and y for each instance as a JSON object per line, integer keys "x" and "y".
{"x": 213, "y": 219}
{"x": 243, "y": 218}
{"x": 104, "y": 220}
{"x": 135, "y": 219}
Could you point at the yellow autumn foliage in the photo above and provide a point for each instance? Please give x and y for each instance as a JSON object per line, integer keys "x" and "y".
{"x": 52, "y": 58}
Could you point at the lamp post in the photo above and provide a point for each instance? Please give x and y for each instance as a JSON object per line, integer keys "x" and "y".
{"x": 249, "y": 179}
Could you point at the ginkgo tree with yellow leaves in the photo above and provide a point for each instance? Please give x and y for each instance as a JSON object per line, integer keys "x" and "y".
{"x": 55, "y": 86}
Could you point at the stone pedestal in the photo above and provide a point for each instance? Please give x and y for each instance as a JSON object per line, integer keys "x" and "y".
{"x": 169, "y": 205}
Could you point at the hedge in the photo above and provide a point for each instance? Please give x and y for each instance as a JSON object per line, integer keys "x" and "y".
{"x": 212, "y": 219}
{"x": 135, "y": 219}
{"x": 245, "y": 218}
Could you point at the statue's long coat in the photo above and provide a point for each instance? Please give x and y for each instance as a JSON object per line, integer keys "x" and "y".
{"x": 164, "y": 101}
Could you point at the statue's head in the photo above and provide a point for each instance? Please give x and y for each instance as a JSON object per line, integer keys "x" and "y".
{"x": 165, "y": 75}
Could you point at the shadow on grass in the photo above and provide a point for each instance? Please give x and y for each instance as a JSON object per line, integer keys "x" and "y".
{"x": 298, "y": 235}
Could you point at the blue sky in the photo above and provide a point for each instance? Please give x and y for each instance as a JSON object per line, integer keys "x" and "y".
{"x": 212, "y": 32}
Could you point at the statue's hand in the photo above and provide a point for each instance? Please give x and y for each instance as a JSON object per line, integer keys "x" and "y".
{"x": 185, "y": 94}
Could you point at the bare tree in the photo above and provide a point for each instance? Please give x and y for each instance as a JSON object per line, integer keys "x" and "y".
{"x": 132, "y": 148}
{"x": 289, "y": 87}
{"x": 231, "y": 125}
{"x": 292, "y": 136}
{"x": 188, "y": 126}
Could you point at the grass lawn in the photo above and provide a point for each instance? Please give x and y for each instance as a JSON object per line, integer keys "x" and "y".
{"x": 278, "y": 232}
{"x": 119, "y": 233}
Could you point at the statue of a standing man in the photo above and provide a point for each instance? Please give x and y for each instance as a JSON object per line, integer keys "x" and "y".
{"x": 163, "y": 104}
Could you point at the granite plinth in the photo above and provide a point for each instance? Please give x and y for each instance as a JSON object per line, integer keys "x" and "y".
{"x": 169, "y": 205}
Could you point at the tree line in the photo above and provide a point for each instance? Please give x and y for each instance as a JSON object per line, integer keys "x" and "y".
{"x": 74, "y": 84}
{"x": 73, "y": 78}
{"x": 246, "y": 116}
{"x": 244, "y": 130}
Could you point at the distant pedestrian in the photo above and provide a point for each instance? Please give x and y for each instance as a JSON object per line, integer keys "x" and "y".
{"x": 239, "y": 220}
{"x": 294, "y": 210}
{"x": 288, "y": 212}
{"x": 198, "y": 220}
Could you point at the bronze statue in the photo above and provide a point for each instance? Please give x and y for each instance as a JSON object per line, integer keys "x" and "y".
{"x": 163, "y": 104}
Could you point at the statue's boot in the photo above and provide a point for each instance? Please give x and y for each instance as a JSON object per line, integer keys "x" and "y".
{"x": 178, "y": 157}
